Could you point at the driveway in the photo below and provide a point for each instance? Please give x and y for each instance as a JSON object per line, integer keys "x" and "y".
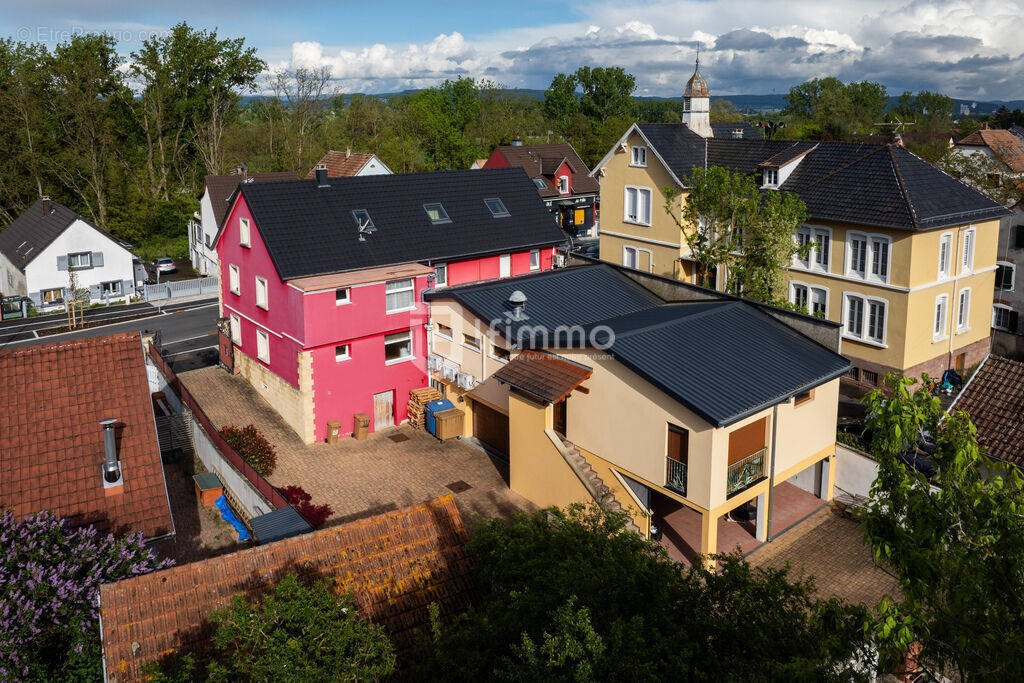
{"x": 395, "y": 468}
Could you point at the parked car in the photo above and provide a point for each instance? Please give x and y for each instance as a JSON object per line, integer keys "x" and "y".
{"x": 165, "y": 264}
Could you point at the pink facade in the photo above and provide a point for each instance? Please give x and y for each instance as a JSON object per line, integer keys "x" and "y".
{"x": 318, "y": 322}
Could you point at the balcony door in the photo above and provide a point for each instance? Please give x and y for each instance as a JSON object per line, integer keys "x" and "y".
{"x": 677, "y": 458}
{"x": 746, "y": 456}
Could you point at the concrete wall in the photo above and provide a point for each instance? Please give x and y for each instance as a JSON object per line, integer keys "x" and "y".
{"x": 244, "y": 496}
{"x": 856, "y": 471}
{"x": 1007, "y": 344}
{"x": 12, "y": 280}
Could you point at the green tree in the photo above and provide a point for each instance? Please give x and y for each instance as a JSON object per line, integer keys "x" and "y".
{"x": 955, "y": 542}
{"x": 724, "y": 111}
{"x": 837, "y": 109}
{"x": 986, "y": 174}
{"x": 561, "y": 103}
{"x": 607, "y": 92}
{"x": 25, "y": 90}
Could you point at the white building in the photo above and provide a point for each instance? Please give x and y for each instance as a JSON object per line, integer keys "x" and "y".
{"x": 49, "y": 243}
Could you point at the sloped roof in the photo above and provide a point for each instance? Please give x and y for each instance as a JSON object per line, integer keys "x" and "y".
{"x": 340, "y": 166}
{"x": 994, "y": 399}
{"x": 543, "y": 375}
{"x": 221, "y": 187}
{"x": 396, "y": 564}
{"x": 51, "y": 442}
{"x": 875, "y": 185}
{"x": 1003, "y": 143}
{"x": 33, "y": 231}
{"x": 544, "y": 160}
{"x": 696, "y": 86}
{"x": 310, "y": 230}
{"x": 725, "y": 130}
{"x": 1018, "y": 131}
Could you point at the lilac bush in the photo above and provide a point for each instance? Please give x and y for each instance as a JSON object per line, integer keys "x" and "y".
{"x": 50, "y": 576}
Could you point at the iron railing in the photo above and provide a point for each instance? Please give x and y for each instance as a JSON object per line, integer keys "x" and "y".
{"x": 675, "y": 476}
{"x": 745, "y": 472}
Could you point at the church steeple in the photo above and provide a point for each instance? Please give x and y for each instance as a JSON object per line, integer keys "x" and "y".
{"x": 697, "y": 102}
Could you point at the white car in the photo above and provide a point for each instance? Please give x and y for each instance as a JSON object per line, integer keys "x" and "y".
{"x": 165, "y": 265}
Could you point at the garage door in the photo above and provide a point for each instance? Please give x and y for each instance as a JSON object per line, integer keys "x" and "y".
{"x": 490, "y": 427}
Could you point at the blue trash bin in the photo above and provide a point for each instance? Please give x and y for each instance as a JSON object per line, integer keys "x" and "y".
{"x": 435, "y": 407}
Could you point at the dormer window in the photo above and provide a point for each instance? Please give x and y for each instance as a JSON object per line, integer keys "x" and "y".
{"x": 771, "y": 177}
{"x": 563, "y": 184}
{"x": 363, "y": 220}
{"x": 436, "y": 213}
{"x": 496, "y": 207}
{"x": 638, "y": 156}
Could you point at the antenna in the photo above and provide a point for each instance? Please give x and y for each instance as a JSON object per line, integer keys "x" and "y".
{"x": 898, "y": 126}
{"x": 698, "y": 55}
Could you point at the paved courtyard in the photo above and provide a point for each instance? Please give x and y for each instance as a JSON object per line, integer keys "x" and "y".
{"x": 397, "y": 467}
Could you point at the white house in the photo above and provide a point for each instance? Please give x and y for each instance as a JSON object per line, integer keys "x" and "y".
{"x": 46, "y": 245}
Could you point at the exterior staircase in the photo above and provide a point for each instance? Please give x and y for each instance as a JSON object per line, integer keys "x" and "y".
{"x": 594, "y": 483}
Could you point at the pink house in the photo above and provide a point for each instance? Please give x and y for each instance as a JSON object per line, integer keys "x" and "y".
{"x": 322, "y": 282}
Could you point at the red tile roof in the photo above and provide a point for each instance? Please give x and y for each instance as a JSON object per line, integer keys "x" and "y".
{"x": 341, "y": 166}
{"x": 994, "y": 399}
{"x": 1004, "y": 144}
{"x": 51, "y": 442}
{"x": 543, "y": 375}
{"x": 396, "y": 564}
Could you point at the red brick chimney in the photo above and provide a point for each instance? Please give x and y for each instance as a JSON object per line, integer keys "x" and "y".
{"x": 46, "y": 205}
{"x": 348, "y": 152}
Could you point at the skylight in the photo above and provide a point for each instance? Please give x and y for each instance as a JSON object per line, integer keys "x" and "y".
{"x": 363, "y": 220}
{"x": 497, "y": 207}
{"x": 437, "y": 213}
{"x": 539, "y": 182}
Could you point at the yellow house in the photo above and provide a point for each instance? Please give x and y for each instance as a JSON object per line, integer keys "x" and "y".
{"x": 902, "y": 255}
{"x": 711, "y": 421}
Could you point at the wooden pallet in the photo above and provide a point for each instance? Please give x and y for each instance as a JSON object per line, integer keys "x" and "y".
{"x": 418, "y": 400}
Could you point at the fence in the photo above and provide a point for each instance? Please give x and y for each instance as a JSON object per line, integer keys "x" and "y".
{"x": 200, "y": 418}
{"x": 178, "y": 288}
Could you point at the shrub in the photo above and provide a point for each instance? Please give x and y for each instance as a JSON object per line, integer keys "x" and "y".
{"x": 50, "y": 576}
{"x": 254, "y": 448}
{"x": 301, "y": 501}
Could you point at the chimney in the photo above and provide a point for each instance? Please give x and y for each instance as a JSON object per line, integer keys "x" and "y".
{"x": 348, "y": 152}
{"x": 111, "y": 465}
{"x": 241, "y": 170}
{"x": 46, "y": 205}
{"x": 518, "y": 302}
{"x": 321, "y": 175}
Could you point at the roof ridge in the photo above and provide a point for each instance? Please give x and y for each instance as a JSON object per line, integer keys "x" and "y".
{"x": 845, "y": 166}
{"x": 671, "y": 321}
{"x": 903, "y": 188}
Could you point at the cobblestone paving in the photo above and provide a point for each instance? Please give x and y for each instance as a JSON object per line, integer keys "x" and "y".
{"x": 361, "y": 478}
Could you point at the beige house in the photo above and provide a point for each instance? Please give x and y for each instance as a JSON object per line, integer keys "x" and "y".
{"x": 710, "y": 420}
{"x": 901, "y": 254}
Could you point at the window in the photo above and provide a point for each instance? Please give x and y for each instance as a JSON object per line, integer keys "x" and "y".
{"x": 111, "y": 288}
{"x": 535, "y": 259}
{"x": 876, "y": 321}
{"x": 261, "y": 294}
{"x": 630, "y": 257}
{"x": 963, "y": 310}
{"x": 397, "y": 347}
{"x": 815, "y": 248}
{"x": 399, "y": 296}
{"x": 854, "y": 374}
{"x": 880, "y": 258}
{"x": 436, "y": 213}
{"x": 497, "y": 208}
{"x": 803, "y": 397}
{"x": 243, "y": 232}
{"x": 803, "y": 245}
{"x": 1001, "y": 315}
{"x": 505, "y": 265}
{"x": 855, "y": 316}
{"x": 263, "y": 346}
{"x": 865, "y": 318}
{"x": 341, "y": 296}
{"x": 471, "y": 341}
{"x": 51, "y": 296}
{"x": 638, "y": 156}
{"x": 441, "y": 275}
{"x": 445, "y": 331}
{"x": 941, "y": 313}
{"x": 234, "y": 281}
{"x": 1005, "y": 273}
{"x": 363, "y": 220}
{"x": 819, "y": 301}
{"x": 341, "y": 353}
{"x": 945, "y": 252}
{"x": 771, "y": 177}
{"x": 499, "y": 352}
{"x": 967, "y": 253}
{"x": 857, "y": 247}
{"x": 637, "y": 207}
{"x": 870, "y": 378}
{"x": 868, "y": 256}
{"x": 10, "y": 279}
{"x": 563, "y": 184}
{"x": 236, "y": 330}
{"x": 80, "y": 261}
{"x": 540, "y": 183}
{"x": 798, "y": 295}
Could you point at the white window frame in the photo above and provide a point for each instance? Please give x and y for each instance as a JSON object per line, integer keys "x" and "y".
{"x": 344, "y": 300}
{"x": 1013, "y": 275}
{"x": 442, "y": 335}
{"x": 640, "y": 219}
{"x": 244, "y": 233}
{"x": 793, "y": 287}
{"x": 869, "y": 256}
{"x": 770, "y": 177}
{"x": 535, "y": 259}
{"x": 946, "y": 269}
{"x": 967, "y": 244}
{"x": 439, "y": 270}
{"x": 117, "y": 290}
{"x": 342, "y": 352}
{"x": 265, "y": 303}
{"x": 263, "y": 346}
{"x": 638, "y": 156}
{"x": 85, "y": 258}
{"x": 810, "y": 300}
{"x": 398, "y": 337}
{"x": 236, "y": 330}
{"x": 866, "y": 301}
{"x": 563, "y": 184}
{"x": 234, "y": 280}
{"x": 505, "y": 265}
{"x": 475, "y": 346}
{"x": 1001, "y": 307}
{"x": 963, "y": 310}
{"x": 411, "y": 287}
{"x": 940, "y": 331}
{"x": 493, "y": 356}
{"x": 813, "y": 233}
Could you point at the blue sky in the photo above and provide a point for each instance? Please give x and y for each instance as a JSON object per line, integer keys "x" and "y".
{"x": 965, "y": 48}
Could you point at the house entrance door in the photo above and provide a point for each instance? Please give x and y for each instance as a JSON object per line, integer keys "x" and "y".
{"x": 383, "y": 410}
{"x": 559, "y": 417}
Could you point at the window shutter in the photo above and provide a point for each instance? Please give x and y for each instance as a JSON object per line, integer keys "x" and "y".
{"x": 1014, "y": 321}
{"x": 97, "y": 259}
{"x": 62, "y": 262}
{"x": 95, "y": 291}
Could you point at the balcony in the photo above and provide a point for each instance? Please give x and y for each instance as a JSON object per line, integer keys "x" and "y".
{"x": 675, "y": 476}
{"x": 745, "y": 472}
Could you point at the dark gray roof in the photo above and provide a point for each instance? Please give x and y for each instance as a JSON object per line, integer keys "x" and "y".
{"x": 221, "y": 187}
{"x": 278, "y": 524}
{"x": 564, "y": 296}
{"x": 724, "y": 360}
{"x": 1018, "y": 131}
{"x": 726, "y": 130}
{"x": 866, "y": 184}
{"x": 31, "y": 232}
{"x": 310, "y": 230}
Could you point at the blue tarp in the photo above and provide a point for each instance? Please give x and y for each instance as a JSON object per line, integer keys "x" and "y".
{"x": 230, "y": 518}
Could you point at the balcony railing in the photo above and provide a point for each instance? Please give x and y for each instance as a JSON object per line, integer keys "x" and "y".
{"x": 745, "y": 472}
{"x": 675, "y": 477}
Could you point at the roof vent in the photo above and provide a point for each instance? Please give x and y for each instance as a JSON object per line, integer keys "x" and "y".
{"x": 111, "y": 465}
{"x": 518, "y": 302}
{"x": 321, "y": 175}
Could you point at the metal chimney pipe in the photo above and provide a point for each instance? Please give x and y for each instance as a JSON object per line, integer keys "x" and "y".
{"x": 111, "y": 470}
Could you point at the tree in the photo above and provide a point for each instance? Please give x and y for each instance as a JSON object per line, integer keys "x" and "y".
{"x": 561, "y": 104}
{"x": 305, "y": 100}
{"x": 572, "y": 595}
{"x": 50, "y": 576}
{"x": 955, "y": 542}
{"x": 607, "y": 92}
{"x": 984, "y": 173}
{"x": 24, "y": 92}
{"x": 835, "y": 108}
{"x": 724, "y": 111}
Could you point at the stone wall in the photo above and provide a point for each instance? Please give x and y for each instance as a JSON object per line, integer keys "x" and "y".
{"x": 295, "y": 406}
